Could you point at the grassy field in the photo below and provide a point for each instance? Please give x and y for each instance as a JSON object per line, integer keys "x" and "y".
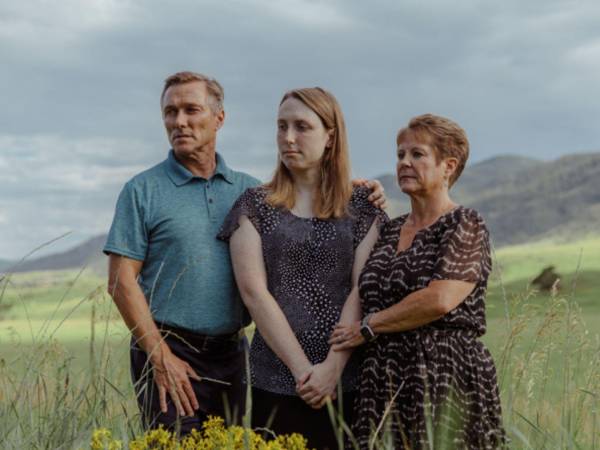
{"x": 64, "y": 353}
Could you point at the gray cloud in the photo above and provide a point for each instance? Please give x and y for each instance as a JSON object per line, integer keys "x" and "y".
{"x": 82, "y": 79}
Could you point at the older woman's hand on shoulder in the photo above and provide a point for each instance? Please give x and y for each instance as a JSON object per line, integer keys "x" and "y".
{"x": 377, "y": 196}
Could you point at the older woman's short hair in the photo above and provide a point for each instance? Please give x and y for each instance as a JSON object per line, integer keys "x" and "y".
{"x": 213, "y": 87}
{"x": 446, "y": 137}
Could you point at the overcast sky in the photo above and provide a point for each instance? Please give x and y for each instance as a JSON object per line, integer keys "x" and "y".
{"x": 81, "y": 79}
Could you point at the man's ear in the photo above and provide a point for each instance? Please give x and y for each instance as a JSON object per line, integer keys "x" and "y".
{"x": 220, "y": 119}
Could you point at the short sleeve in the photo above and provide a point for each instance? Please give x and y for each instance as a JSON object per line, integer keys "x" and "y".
{"x": 248, "y": 204}
{"x": 364, "y": 214}
{"x": 464, "y": 253}
{"x": 128, "y": 235}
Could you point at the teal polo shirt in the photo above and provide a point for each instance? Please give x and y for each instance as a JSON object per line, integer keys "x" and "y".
{"x": 169, "y": 219}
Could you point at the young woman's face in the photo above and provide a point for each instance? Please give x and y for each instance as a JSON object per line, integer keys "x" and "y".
{"x": 301, "y": 136}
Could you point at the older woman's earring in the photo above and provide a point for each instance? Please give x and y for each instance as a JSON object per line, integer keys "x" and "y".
{"x": 446, "y": 182}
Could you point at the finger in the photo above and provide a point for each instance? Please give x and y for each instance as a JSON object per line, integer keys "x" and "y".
{"x": 334, "y": 339}
{"x": 304, "y": 377}
{"x": 306, "y": 389}
{"x": 308, "y": 393}
{"x": 185, "y": 401}
{"x": 302, "y": 380}
{"x": 359, "y": 182}
{"x": 176, "y": 400}
{"x": 318, "y": 403}
{"x": 162, "y": 398}
{"x": 337, "y": 333}
{"x": 339, "y": 329}
{"x": 346, "y": 345}
{"x": 188, "y": 389}
{"x": 321, "y": 403}
{"x": 308, "y": 397}
{"x": 192, "y": 373}
{"x": 313, "y": 398}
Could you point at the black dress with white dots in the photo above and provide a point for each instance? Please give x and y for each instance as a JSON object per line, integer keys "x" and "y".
{"x": 309, "y": 273}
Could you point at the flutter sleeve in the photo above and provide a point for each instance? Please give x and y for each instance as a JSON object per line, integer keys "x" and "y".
{"x": 464, "y": 253}
{"x": 249, "y": 204}
{"x": 364, "y": 214}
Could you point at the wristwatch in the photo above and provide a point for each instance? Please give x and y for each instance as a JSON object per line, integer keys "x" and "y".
{"x": 366, "y": 331}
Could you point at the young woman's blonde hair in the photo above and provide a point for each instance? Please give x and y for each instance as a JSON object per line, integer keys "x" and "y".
{"x": 334, "y": 191}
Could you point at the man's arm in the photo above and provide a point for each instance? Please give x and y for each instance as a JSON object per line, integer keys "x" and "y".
{"x": 171, "y": 374}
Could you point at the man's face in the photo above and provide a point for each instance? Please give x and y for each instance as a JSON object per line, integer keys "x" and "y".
{"x": 190, "y": 120}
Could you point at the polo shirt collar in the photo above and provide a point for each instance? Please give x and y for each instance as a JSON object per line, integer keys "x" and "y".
{"x": 179, "y": 175}
{"x": 223, "y": 170}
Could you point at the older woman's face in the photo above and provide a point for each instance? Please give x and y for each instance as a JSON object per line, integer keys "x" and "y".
{"x": 417, "y": 169}
{"x": 301, "y": 136}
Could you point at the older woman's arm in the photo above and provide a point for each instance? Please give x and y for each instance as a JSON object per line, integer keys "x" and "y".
{"x": 314, "y": 388}
{"x": 250, "y": 274}
{"x": 417, "y": 309}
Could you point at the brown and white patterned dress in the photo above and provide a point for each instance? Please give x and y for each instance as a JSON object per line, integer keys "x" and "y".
{"x": 442, "y": 378}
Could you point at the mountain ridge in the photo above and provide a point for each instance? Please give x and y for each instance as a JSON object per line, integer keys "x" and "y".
{"x": 521, "y": 199}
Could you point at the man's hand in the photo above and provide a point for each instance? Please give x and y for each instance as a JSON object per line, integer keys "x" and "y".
{"x": 318, "y": 385}
{"x": 377, "y": 196}
{"x": 345, "y": 337}
{"x": 172, "y": 375}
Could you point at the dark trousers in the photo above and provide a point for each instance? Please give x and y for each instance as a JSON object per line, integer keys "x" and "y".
{"x": 287, "y": 414}
{"x": 218, "y": 357}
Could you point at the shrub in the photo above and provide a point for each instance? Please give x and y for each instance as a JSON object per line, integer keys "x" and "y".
{"x": 214, "y": 436}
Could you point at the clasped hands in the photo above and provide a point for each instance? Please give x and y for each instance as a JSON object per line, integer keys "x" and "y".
{"x": 318, "y": 383}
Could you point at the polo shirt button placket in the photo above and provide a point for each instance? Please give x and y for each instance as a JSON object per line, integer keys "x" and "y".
{"x": 210, "y": 201}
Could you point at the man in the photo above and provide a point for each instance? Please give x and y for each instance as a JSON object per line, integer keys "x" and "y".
{"x": 171, "y": 279}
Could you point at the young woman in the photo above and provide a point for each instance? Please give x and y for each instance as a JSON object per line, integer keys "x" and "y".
{"x": 297, "y": 245}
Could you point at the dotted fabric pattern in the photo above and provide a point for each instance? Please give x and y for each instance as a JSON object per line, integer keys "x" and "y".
{"x": 309, "y": 273}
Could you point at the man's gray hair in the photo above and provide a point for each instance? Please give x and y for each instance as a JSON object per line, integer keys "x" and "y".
{"x": 213, "y": 87}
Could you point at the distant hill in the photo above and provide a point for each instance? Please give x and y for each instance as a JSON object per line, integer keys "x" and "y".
{"x": 88, "y": 253}
{"x": 5, "y": 264}
{"x": 522, "y": 200}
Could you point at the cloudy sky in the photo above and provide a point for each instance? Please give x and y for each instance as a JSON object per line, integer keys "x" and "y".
{"x": 80, "y": 82}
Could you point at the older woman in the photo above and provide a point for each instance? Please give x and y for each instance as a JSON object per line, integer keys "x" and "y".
{"x": 426, "y": 377}
{"x": 297, "y": 245}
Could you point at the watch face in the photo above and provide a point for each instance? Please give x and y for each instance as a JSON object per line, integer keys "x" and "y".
{"x": 367, "y": 333}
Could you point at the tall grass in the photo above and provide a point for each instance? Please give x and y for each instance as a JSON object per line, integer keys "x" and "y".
{"x": 47, "y": 400}
{"x": 548, "y": 366}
